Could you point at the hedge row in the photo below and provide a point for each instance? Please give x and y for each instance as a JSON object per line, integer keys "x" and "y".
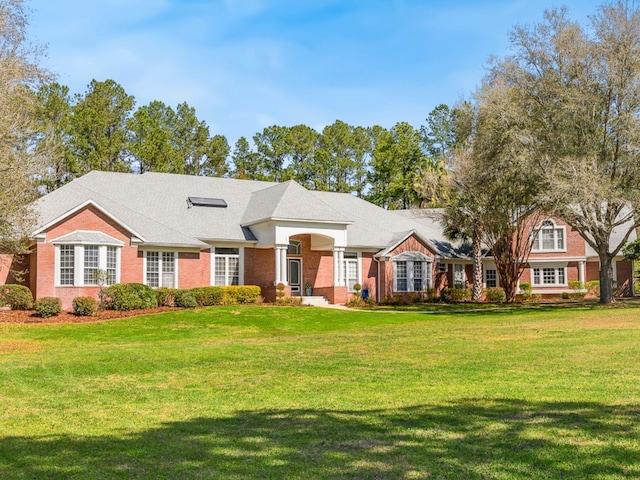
{"x": 130, "y": 296}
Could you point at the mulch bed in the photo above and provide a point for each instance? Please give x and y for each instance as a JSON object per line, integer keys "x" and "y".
{"x": 29, "y": 316}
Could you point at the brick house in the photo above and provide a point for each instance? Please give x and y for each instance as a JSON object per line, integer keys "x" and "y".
{"x": 184, "y": 231}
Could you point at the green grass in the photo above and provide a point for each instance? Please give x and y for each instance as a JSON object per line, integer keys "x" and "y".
{"x": 259, "y": 392}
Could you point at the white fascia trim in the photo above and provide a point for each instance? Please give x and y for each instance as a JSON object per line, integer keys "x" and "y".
{"x": 389, "y": 249}
{"x": 299, "y": 220}
{"x": 113, "y": 242}
{"x": 226, "y": 241}
{"x": 556, "y": 259}
{"x": 164, "y": 247}
{"x": 77, "y": 209}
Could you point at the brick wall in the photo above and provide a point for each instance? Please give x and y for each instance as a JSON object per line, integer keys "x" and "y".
{"x": 88, "y": 218}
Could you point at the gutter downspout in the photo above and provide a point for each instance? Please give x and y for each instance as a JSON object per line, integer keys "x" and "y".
{"x": 377, "y": 280}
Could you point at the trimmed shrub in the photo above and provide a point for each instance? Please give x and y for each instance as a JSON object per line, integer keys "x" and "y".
{"x": 526, "y": 291}
{"x": 578, "y": 288}
{"x": 208, "y": 296}
{"x": 166, "y": 297}
{"x": 130, "y": 296}
{"x": 456, "y": 295}
{"x": 243, "y": 293}
{"x": 495, "y": 295}
{"x": 565, "y": 295}
{"x": 85, "y": 306}
{"x": 48, "y": 307}
{"x": 184, "y": 299}
{"x": 18, "y": 297}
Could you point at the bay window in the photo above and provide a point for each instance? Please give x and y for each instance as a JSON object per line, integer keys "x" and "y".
{"x": 81, "y": 265}
{"x": 412, "y": 272}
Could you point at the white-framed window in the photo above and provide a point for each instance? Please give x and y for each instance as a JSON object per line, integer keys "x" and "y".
{"x": 67, "y": 265}
{"x": 412, "y": 272}
{"x": 352, "y": 266}
{"x": 294, "y": 248}
{"x": 458, "y": 276}
{"x": 78, "y": 265}
{"x": 161, "y": 269}
{"x": 549, "y": 238}
{"x": 226, "y": 266}
{"x": 491, "y": 278}
{"x": 549, "y": 276}
{"x": 443, "y": 267}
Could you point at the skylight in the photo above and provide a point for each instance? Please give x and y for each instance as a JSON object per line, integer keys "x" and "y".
{"x": 206, "y": 202}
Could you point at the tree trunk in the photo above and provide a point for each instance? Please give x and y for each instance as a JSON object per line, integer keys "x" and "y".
{"x": 477, "y": 269}
{"x": 510, "y": 288}
{"x": 606, "y": 278}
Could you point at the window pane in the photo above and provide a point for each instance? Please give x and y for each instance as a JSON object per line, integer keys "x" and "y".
{"x": 561, "y": 278}
{"x": 66, "y": 264}
{"x": 234, "y": 270}
{"x": 91, "y": 264}
{"x": 491, "y": 278}
{"x": 560, "y": 238}
{"x": 153, "y": 269}
{"x": 549, "y": 276}
{"x": 168, "y": 269}
{"x": 351, "y": 272}
{"x": 417, "y": 276}
{"x": 536, "y": 276}
{"x": 547, "y": 239}
{"x": 401, "y": 276}
{"x": 293, "y": 248}
{"x": 458, "y": 275}
{"x": 112, "y": 265}
{"x": 220, "y": 271}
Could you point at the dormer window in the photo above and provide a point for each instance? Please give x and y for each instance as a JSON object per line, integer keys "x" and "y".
{"x": 549, "y": 238}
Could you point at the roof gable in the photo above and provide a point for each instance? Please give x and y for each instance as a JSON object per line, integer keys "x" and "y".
{"x": 290, "y": 201}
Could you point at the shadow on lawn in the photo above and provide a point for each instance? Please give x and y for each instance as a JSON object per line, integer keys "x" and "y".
{"x": 465, "y": 439}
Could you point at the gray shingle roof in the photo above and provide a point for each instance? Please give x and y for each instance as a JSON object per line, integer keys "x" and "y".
{"x": 154, "y": 206}
{"x": 290, "y": 201}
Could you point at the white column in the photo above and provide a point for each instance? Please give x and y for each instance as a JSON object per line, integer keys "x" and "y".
{"x": 581, "y": 271}
{"x": 338, "y": 267}
{"x": 283, "y": 265}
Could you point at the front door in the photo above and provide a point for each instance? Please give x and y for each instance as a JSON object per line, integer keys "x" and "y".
{"x": 295, "y": 276}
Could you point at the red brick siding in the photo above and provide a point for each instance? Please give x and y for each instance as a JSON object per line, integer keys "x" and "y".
{"x": 88, "y": 218}
{"x": 259, "y": 267}
{"x": 624, "y": 277}
{"x": 194, "y": 269}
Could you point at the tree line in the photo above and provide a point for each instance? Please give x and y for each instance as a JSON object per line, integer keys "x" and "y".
{"x": 102, "y": 130}
{"x": 554, "y": 129}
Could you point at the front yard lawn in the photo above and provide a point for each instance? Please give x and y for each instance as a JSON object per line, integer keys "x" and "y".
{"x": 260, "y": 392}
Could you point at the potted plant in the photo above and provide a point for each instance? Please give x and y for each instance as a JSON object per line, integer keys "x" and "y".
{"x": 308, "y": 289}
{"x": 356, "y": 288}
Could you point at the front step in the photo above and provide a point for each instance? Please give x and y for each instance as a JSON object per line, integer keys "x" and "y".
{"x": 315, "y": 300}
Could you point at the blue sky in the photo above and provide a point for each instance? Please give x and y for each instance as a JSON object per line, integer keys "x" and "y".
{"x": 247, "y": 64}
